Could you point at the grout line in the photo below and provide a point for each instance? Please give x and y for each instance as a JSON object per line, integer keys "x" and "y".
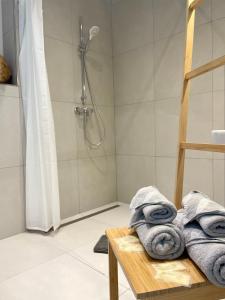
{"x": 34, "y": 267}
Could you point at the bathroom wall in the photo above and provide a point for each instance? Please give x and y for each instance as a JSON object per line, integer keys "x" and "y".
{"x": 148, "y": 51}
{"x": 12, "y": 200}
{"x": 87, "y": 178}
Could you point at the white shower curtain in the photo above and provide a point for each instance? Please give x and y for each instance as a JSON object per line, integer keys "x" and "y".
{"x": 42, "y": 194}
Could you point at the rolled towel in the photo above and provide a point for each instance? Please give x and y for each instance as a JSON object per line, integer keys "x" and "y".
{"x": 150, "y": 206}
{"x": 161, "y": 241}
{"x": 207, "y": 252}
{"x": 209, "y": 214}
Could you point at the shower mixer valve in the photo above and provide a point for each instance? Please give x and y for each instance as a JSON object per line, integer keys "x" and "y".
{"x": 83, "y": 110}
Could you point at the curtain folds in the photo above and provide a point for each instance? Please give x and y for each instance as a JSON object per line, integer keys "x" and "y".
{"x": 42, "y": 193}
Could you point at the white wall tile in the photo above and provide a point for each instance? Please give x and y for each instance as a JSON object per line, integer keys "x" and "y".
{"x": 168, "y": 67}
{"x": 132, "y": 24}
{"x": 97, "y": 182}
{"x": 167, "y": 125}
{"x": 218, "y": 115}
{"x": 166, "y": 176}
{"x": 200, "y": 122}
{"x": 135, "y": 129}
{"x": 169, "y": 17}
{"x": 133, "y": 76}
{"x": 12, "y": 212}
{"x": 106, "y": 114}
{"x": 68, "y": 188}
{"x": 99, "y": 68}
{"x": 60, "y": 65}
{"x": 218, "y": 9}
{"x": 198, "y": 176}
{"x": 58, "y": 19}
{"x": 65, "y": 130}
{"x": 202, "y": 54}
{"x": 133, "y": 173}
{"x": 218, "y": 50}
{"x": 11, "y": 132}
{"x": 219, "y": 181}
{"x": 204, "y": 12}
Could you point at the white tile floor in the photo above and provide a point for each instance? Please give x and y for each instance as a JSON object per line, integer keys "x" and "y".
{"x": 60, "y": 266}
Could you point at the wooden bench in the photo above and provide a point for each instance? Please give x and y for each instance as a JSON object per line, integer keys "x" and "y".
{"x": 138, "y": 269}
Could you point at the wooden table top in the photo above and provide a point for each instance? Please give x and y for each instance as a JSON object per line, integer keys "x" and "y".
{"x": 138, "y": 269}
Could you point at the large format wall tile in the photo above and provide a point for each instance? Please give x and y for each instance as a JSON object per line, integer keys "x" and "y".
{"x": 218, "y": 182}
{"x": 132, "y": 24}
{"x": 68, "y": 188}
{"x": 65, "y": 130}
{"x": 218, "y": 9}
{"x": 135, "y": 129}
{"x": 218, "y": 115}
{"x": 97, "y": 182}
{"x": 105, "y": 126}
{"x": 60, "y": 11}
{"x": 11, "y": 126}
{"x": 133, "y": 173}
{"x": 218, "y": 50}
{"x": 200, "y": 122}
{"x": 11, "y": 201}
{"x": 60, "y": 65}
{"x": 167, "y": 125}
{"x": 198, "y": 176}
{"x": 99, "y": 68}
{"x": 133, "y": 76}
{"x": 166, "y": 175}
{"x": 202, "y": 54}
{"x": 169, "y": 17}
{"x": 168, "y": 67}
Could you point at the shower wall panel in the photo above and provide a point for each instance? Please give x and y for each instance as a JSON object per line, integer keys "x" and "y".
{"x": 148, "y": 44}
{"x": 87, "y": 178}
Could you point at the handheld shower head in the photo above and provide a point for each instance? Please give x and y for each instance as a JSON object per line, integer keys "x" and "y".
{"x": 94, "y": 30}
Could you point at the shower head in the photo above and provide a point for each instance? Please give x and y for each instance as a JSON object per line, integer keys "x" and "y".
{"x": 94, "y": 30}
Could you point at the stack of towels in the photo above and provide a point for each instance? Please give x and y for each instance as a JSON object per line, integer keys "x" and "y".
{"x": 153, "y": 219}
{"x": 202, "y": 222}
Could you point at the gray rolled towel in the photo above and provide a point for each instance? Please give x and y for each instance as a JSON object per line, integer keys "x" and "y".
{"x": 164, "y": 242}
{"x": 209, "y": 214}
{"x": 150, "y": 206}
{"x": 207, "y": 252}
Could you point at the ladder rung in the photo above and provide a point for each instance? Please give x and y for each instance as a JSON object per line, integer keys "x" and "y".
{"x": 195, "y": 3}
{"x": 206, "y": 68}
{"x": 204, "y": 147}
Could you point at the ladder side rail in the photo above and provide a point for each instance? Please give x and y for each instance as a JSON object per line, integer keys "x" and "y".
{"x": 185, "y": 102}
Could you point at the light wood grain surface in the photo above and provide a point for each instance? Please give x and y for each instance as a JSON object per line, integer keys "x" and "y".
{"x": 140, "y": 273}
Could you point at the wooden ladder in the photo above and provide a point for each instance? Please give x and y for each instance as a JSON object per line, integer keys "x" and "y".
{"x": 189, "y": 74}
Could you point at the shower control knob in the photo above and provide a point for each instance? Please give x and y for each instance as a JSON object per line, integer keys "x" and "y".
{"x": 83, "y": 110}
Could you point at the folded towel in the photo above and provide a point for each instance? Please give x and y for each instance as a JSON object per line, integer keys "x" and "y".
{"x": 209, "y": 214}
{"x": 150, "y": 206}
{"x": 161, "y": 241}
{"x": 207, "y": 252}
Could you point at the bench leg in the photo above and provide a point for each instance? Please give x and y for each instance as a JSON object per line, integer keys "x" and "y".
{"x": 113, "y": 275}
